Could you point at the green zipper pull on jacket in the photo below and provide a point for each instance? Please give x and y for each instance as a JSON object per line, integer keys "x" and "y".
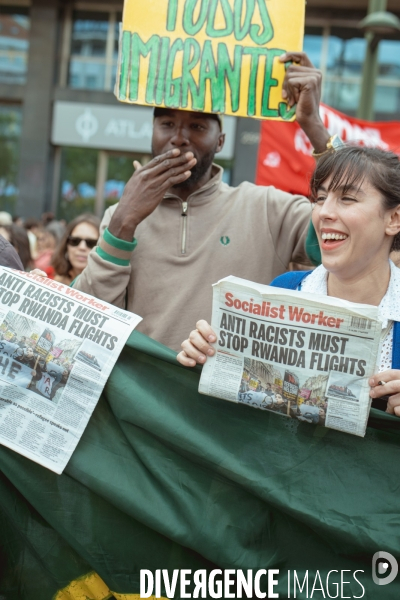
{"x": 184, "y": 226}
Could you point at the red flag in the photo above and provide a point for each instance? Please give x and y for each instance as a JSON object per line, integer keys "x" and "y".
{"x": 284, "y": 155}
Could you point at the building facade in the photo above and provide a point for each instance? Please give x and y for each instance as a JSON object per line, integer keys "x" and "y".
{"x": 67, "y": 145}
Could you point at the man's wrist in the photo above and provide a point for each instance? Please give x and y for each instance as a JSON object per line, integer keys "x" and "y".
{"x": 118, "y": 242}
{"x": 115, "y": 250}
{"x": 333, "y": 144}
{"x": 121, "y": 230}
{"x": 317, "y": 134}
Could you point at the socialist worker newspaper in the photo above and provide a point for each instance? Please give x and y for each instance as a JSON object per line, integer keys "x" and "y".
{"x": 300, "y": 355}
{"x": 57, "y": 349}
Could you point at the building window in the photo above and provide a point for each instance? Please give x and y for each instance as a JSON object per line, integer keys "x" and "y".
{"x": 119, "y": 171}
{"x": 10, "y": 132}
{"x": 93, "y": 180}
{"x": 78, "y": 182}
{"x": 94, "y": 50}
{"x": 313, "y": 39}
{"x": 14, "y": 44}
{"x": 387, "y": 94}
{"x": 339, "y": 52}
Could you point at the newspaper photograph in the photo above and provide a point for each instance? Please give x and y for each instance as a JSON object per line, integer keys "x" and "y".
{"x": 300, "y": 355}
{"x": 57, "y": 349}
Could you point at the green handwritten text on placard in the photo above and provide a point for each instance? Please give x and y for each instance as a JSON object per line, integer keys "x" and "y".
{"x": 208, "y": 55}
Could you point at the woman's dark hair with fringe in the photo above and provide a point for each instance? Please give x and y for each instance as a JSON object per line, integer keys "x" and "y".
{"x": 61, "y": 264}
{"x": 350, "y": 165}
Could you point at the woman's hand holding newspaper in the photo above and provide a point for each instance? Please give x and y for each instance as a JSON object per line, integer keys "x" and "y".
{"x": 198, "y": 345}
{"x": 387, "y": 383}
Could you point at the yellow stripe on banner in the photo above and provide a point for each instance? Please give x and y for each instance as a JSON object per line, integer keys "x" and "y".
{"x": 92, "y": 587}
{"x": 134, "y": 597}
{"x": 88, "y": 587}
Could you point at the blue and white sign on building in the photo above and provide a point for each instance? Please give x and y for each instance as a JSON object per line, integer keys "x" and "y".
{"x": 122, "y": 128}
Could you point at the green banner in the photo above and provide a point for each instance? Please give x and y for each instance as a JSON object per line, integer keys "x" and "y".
{"x": 164, "y": 478}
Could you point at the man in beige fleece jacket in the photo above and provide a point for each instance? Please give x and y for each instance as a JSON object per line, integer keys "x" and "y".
{"x": 190, "y": 228}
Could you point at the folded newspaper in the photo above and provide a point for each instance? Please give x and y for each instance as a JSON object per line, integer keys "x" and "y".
{"x": 57, "y": 349}
{"x": 301, "y": 355}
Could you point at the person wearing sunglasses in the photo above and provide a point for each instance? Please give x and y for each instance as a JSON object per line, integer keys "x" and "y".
{"x": 70, "y": 258}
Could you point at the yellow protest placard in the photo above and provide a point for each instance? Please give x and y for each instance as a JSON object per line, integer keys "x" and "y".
{"x": 208, "y": 55}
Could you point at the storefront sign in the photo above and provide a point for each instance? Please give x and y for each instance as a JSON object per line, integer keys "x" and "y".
{"x": 208, "y": 55}
{"x": 124, "y": 128}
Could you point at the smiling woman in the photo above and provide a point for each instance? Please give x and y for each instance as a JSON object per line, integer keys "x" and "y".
{"x": 356, "y": 195}
{"x": 356, "y": 215}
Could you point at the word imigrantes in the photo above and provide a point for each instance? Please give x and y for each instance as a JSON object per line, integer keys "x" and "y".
{"x": 200, "y": 65}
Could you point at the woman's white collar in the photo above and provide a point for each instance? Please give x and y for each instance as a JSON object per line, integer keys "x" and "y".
{"x": 389, "y": 308}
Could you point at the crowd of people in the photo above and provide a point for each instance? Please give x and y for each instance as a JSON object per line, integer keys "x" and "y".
{"x": 178, "y": 228}
{"x": 57, "y": 248}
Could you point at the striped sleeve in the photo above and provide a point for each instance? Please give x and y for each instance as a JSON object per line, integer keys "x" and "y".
{"x": 114, "y": 250}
